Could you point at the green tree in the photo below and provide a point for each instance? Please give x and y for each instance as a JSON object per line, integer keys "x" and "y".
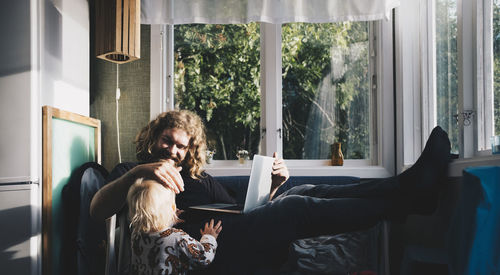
{"x": 325, "y": 89}
{"x": 326, "y": 83}
{"x": 217, "y": 75}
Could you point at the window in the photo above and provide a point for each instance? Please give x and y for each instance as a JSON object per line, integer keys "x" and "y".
{"x": 326, "y": 90}
{"x": 450, "y": 76}
{"x": 325, "y": 79}
{"x": 486, "y": 53}
{"x": 446, "y": 69}
{"x": 217, "y": 76}
{"x": 465, "y": 37}
{"x": 265, "y": 87}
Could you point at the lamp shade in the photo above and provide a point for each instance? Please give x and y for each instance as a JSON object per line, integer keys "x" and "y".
{"x": 118, "y": 30}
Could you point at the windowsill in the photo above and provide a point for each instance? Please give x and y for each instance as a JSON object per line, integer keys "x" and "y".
{"x": 458, "y": 165}
{"x": 352, "y": 168}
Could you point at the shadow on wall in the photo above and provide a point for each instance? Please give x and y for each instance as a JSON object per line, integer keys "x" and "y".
{"x": 16, "y": 240}
{"x": 15, "y": 32}
{"x": 65, "y": 54}
{"x": 78, "y": 155}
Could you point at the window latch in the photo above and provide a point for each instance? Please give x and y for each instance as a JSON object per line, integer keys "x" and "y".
{"x": 466, "y": 116}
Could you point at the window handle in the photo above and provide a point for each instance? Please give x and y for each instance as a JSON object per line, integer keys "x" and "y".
{"x": 466, "y": 116}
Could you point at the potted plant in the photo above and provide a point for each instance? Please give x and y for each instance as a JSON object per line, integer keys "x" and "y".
{"x": 210, "y": 156}
{"x": 242, "y": 156}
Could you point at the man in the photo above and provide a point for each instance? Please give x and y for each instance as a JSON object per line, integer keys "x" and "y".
{"x": 171, "y": 150}
{"x": 172, "y": 147}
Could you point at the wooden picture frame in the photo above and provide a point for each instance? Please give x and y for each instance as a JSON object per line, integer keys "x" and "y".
{"x": 67, "y": 143}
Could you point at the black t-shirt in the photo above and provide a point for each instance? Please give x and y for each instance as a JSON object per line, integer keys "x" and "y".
{"x": 204, "y": 190}
{"x": 201, "y": 191}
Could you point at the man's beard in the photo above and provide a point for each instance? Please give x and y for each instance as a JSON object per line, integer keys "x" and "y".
{"x": 165, "y": 155}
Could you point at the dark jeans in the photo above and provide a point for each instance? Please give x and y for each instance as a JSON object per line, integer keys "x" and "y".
{"x": 262, "y": 236}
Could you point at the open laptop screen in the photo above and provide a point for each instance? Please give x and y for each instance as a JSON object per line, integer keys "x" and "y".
{"x": 259, "y": 188}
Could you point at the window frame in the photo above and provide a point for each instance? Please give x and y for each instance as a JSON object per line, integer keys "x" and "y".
{"x": 484, "y": 84}
{"x": 417, "y": 81}
{"x": 412, "y": 60}
{"x": 162, "y": 92}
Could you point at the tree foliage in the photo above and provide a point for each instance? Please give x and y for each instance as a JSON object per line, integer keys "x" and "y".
{"x": 326, "y": 96}
{"x": 326, "y": 84}
{"x": 217, "y": 75}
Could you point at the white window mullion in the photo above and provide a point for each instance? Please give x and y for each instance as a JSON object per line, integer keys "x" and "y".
{"x": 428, "y": 68}
{"x": 409, "y": 83}
{"x": 156, "y": 65}
{"x": 465, "y": 41}
{"x": 161, "y": 69}
{"x": 168, "y": 68}
{"x": 270, "y": 70}
{"x": 374, "y": 32}
{"x": 484, "y": 74}
{"x": 385, "y": 118}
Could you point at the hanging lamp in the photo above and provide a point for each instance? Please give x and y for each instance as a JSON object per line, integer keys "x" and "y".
{"x": 118, "y": 30}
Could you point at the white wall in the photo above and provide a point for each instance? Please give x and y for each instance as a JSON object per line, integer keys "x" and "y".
{"x": 45, "y": 61}
{"x": 64, "y": 55}
{"x": 16, "y": 146}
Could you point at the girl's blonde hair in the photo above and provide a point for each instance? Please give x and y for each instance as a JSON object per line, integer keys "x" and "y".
{"x": 151, "y": 206}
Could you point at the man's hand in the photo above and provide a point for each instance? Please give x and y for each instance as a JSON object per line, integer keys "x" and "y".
{"x": 111, "y": 197}
{"x": 279, "y": 175}
{"x": 164, "y": 171}
{"x": 212, "y": 229}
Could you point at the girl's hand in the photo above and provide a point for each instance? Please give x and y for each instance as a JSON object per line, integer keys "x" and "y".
{"x": 212, "y": 229}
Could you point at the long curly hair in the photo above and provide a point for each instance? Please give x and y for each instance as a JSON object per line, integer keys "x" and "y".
{"x": 180, "y": 119}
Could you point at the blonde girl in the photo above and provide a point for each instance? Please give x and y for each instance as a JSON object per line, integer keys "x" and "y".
{"x": 158, "y": 247}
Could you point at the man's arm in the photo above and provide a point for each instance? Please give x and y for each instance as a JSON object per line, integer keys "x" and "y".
{"x": 112, "y": 196}
{"x": 279, "y": 175}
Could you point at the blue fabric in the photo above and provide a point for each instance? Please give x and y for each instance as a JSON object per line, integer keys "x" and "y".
{"x": 474, "y": 237}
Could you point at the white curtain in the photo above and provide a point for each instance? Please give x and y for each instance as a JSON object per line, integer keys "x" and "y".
{"x": 270, "y": 11}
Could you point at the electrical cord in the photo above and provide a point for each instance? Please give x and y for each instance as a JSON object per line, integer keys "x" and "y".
{"x": 117, "y": 112}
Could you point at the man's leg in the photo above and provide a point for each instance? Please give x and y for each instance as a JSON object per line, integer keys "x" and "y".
{"x": 379, "y": 188}
{"x": 418, "y": 185}
{"x": 294, "y": 217}
{"x": 267, "y": 231}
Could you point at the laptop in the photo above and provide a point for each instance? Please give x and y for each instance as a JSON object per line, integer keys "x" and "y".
{"x": 259, "y": 188}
